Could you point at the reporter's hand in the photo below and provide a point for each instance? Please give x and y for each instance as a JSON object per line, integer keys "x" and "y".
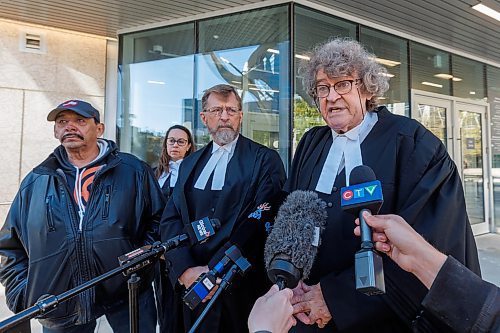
{"x": 191, "y": 274}
{"x": 272, "y": 312}
{"x": 396, "y": 238}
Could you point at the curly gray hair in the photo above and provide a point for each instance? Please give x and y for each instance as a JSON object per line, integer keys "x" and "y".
{"x": 344, "y": 57}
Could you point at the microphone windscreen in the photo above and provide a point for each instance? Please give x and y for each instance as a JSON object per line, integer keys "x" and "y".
{"x": 296, "y": 231}
{"x": 361, "y": 174}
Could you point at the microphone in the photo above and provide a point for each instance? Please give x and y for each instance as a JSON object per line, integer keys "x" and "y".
{"x": 200, "y": 230}
{"x": 257, "y": 222}
{"x": 196, "y": 232}
{"x": 206, "y": 282}
{"x": 293, "y": 243}
{"x": 241, "y": 266}
{"x": 365, "y": 194}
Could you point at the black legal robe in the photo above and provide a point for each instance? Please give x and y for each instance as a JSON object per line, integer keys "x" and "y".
{"x": 164, "y": 293}
{"x": 420, "y": 182}
{"x": 254, "y": 175}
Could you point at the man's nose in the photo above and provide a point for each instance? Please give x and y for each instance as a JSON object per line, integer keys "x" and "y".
{"x": 70, "y": 126}
{"x": 224, "y": 115}
{"x": 333, "y": 95}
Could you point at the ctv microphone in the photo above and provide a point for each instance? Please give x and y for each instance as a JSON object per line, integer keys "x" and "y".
{"x": 365, "y": 194}
{"x": 197, "y": 232}
{"x": 294, "y": 240}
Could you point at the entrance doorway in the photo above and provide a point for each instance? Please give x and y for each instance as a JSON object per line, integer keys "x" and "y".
{"x": 461, "y": 125}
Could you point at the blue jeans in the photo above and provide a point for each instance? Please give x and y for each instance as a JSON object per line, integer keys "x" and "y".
{"x": 118, "y": 318}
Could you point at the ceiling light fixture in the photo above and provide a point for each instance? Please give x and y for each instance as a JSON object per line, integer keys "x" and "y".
{"x": 155, "y": 82}
{"x": 304, "y": 57}
{"x": 432, "y": 84}
{"x": 487, "y": 11}
{"x": 447, "y": 77}
{"x": 387, "y": 62}
{"x": 273, "y": 51}
{"x": 444, "y": 76}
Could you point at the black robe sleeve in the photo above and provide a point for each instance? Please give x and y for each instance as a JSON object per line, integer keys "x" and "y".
{"x": 179, "y": 259}
{"x": 463, "y": 301}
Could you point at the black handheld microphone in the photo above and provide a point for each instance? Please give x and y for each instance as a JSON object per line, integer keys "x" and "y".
{"x": 241, "y": 266}
{"x": 200, "y": 230}
{"x": 293, "y": 242}
{"x": 196, "y": 232}
{"x": 365, "y": 194}
{"x": 206, "y": 282}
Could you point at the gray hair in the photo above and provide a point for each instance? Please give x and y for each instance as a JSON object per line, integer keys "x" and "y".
{"x": 346, "y": 57}
{"x": 222, "y": 89}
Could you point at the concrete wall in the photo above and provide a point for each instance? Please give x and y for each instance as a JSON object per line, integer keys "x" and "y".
{"x": 72, "y": 66}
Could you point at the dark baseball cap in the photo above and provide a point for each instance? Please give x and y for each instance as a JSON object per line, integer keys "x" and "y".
{"x": 82, "y": 108}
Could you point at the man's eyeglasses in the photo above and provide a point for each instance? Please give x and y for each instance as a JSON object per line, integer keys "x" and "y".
{"x": 181, "y": 142}
{"x": 217, "y": 111}
{"x": 342, "y": 87}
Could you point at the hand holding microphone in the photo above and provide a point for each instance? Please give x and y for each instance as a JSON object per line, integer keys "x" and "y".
{"x": 272, "y": 312}
{"x": 206, "y": 283}
{"x": 365, "y": 195}
{"x": 396, "y": 238}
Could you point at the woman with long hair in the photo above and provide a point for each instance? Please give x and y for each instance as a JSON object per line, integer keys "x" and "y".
{"x": 177, "y": 144}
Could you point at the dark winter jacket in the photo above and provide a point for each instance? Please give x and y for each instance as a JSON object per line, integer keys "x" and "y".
{"x": 46, "y": 249}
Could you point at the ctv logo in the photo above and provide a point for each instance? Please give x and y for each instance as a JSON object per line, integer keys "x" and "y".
{"x": 359, "y": 192}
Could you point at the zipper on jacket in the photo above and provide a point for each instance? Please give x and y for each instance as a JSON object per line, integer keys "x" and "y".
{"x": 107, "y": 198}
{"x": 50, "y": 218}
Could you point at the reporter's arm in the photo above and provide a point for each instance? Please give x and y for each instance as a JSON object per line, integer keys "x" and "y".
{"x": 462, "y": 300}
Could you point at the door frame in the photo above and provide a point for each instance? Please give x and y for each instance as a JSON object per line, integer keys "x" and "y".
{"x": 453, "y": 143}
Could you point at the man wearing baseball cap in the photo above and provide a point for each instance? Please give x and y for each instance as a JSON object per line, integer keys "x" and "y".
{"x": 74, "y": 215}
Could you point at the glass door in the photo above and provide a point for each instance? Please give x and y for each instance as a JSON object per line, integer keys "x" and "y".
{"x": 460, "y": 126}
{"x": 435, "y": 115}
{"x": 470, "y": 159}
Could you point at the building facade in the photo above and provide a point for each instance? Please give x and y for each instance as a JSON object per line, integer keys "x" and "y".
{"x": 164, "y": 71}
{"x": 442, "y": 57}
{"x": 41, "y": 67}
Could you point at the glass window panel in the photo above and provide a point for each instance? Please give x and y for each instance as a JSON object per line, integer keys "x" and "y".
{"x": 392, "y": 53}
{"x": 493, "y": 82}
{"x": 430, "y": 69}
{"x": 468, "y": 78}
{"x": 311, "y": 28}
{"x": 433, "y": 118}
{"x": 249, "y": 51}
{"x": 156, "y": 88}
{"x": 472, "y": 164}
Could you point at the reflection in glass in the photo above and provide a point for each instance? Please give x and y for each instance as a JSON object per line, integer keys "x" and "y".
{"x": 493, "y": 83}
{"x": 392, "y": 53}
{"x": 311, "y": 28}
{"x": 157, "y": 88}
{"x": 472, "y": 164}
{"x": 468, "y": 78}
{"x": 433, "y": 118}
{"x": 249, "y": 51}
{"x": 430, "y": 69}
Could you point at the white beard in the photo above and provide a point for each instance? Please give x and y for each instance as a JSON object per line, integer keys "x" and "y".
{"x": 224, "y": 136}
